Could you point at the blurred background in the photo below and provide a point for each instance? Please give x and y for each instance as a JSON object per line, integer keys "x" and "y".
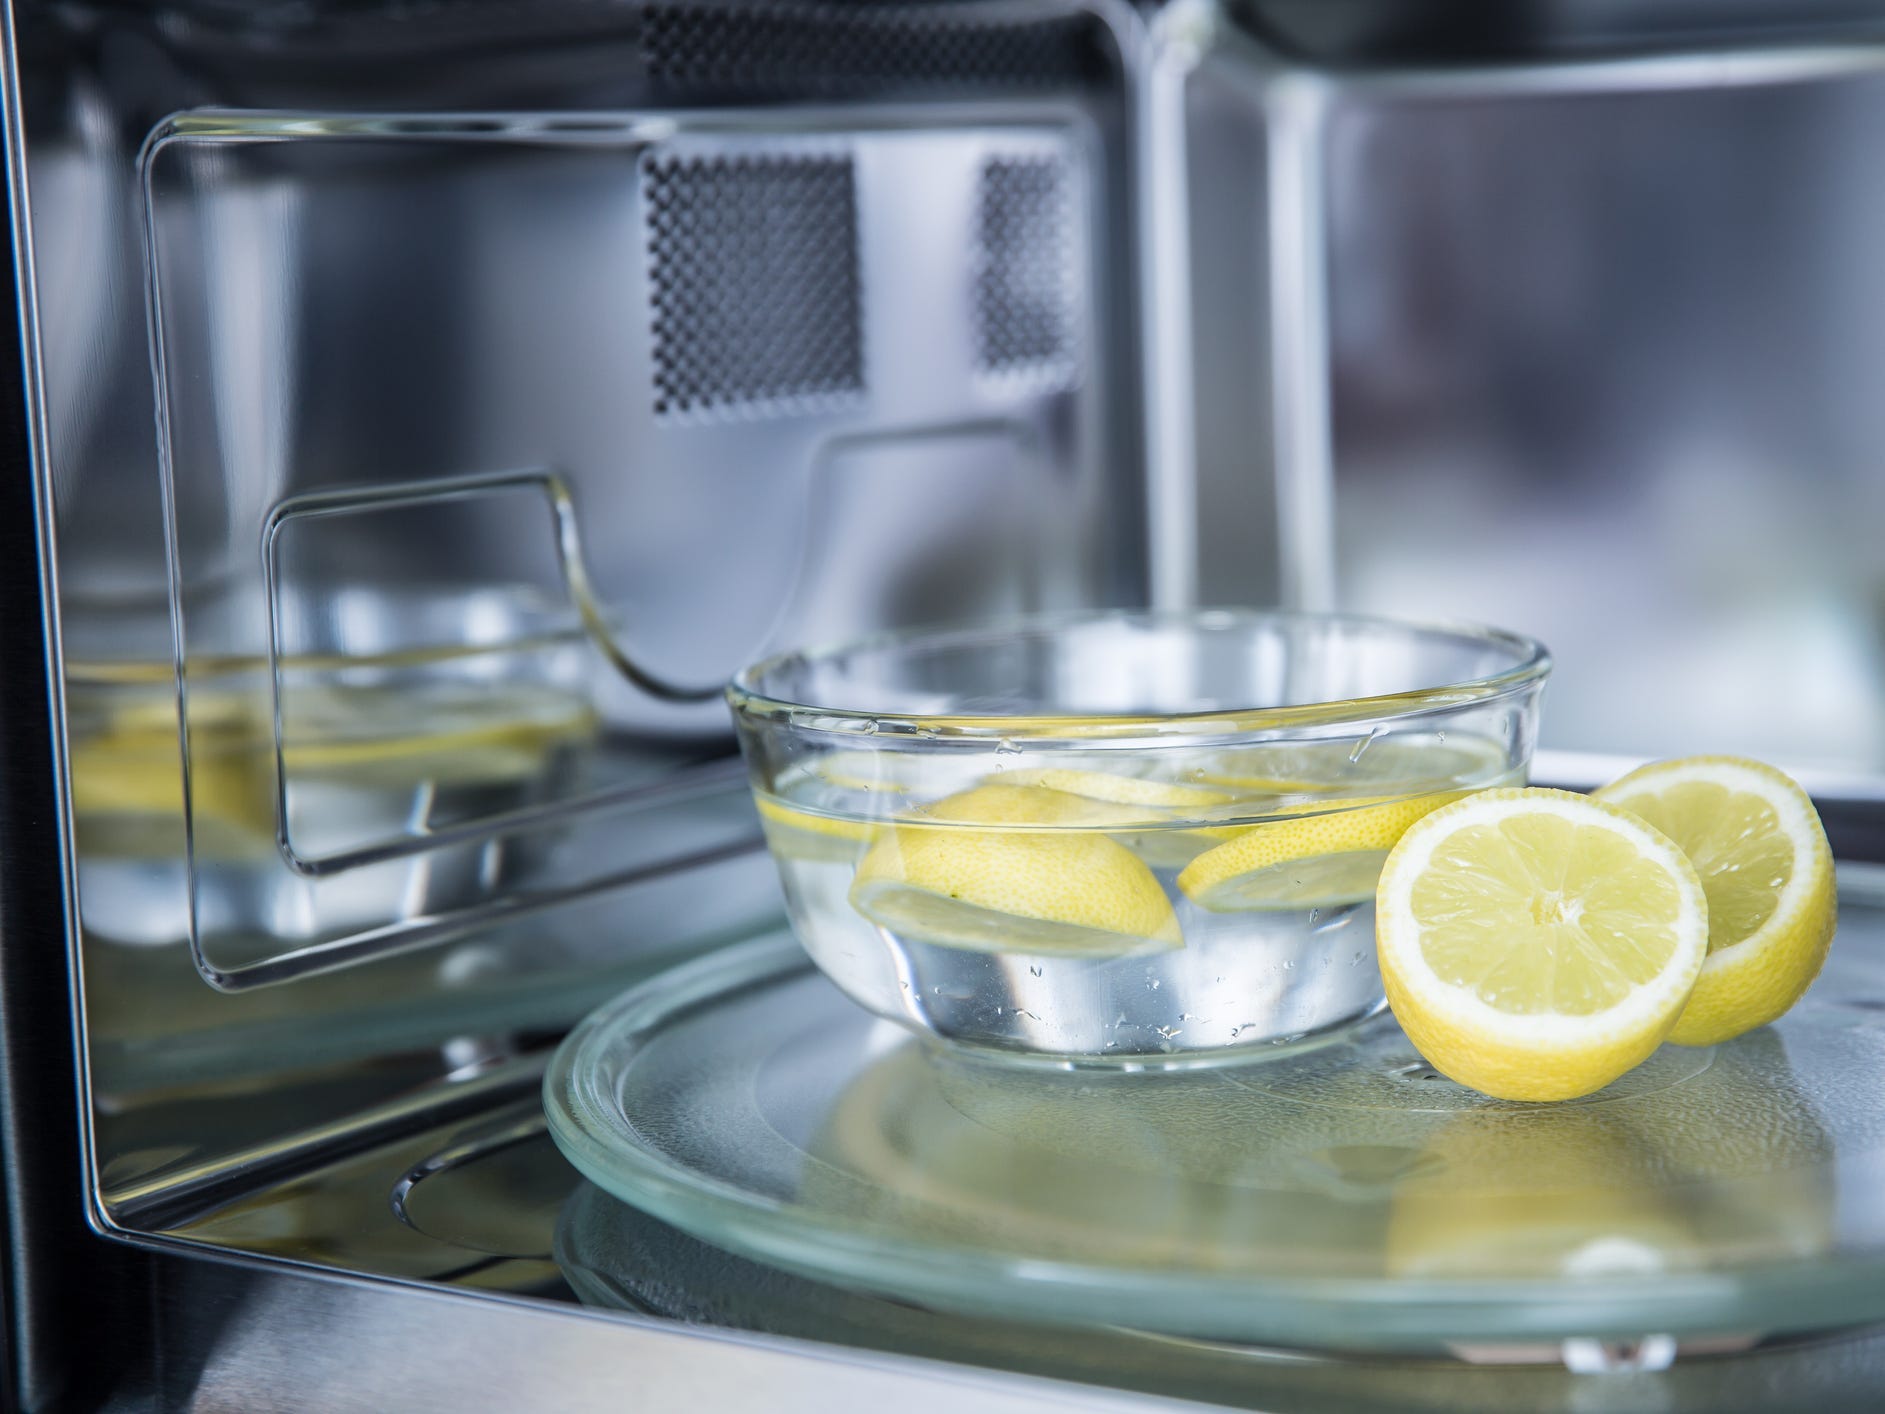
{"x": 1602, "y": 343}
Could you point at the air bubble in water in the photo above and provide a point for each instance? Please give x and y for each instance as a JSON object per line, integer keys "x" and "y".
{"x": 1004, "y": 747}
{"x": 1034, "y": 971}
{"x": 1363, "y": 745}
{"x": 1288, "y": 966}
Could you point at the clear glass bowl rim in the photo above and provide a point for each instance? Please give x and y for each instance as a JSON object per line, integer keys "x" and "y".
{"x": 1531, "y": 666}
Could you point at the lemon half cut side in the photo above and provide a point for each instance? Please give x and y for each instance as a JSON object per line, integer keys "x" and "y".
{"x": 1758, "y": 845}
{"x": 1537, "y": 944}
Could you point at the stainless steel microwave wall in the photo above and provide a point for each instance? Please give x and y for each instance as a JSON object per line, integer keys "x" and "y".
{"x": 424, "y": 408}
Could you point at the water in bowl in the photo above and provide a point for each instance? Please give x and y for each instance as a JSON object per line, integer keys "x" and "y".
{"x": 1128, "y": 912}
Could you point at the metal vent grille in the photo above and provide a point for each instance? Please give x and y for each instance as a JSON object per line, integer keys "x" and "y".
{"x": 1024, "y": 275}
{"x": 754, "y": 280}
{"x": 829, "y": 48}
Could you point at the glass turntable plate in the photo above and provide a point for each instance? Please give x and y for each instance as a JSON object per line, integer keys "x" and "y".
{"x": 1343, "y": 1198}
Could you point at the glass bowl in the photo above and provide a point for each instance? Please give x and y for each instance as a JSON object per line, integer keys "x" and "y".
{"x": 1117, "y": 837}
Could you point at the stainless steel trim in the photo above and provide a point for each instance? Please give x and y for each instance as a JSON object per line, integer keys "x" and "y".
{"x": 277, "y": 1340}
{"x": 1183, "y": 34}
{"x": 1653, "y": 73}
{"x": 173, "y": 1196}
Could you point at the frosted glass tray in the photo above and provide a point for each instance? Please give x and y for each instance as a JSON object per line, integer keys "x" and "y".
{"x": 1343, "y": 1198}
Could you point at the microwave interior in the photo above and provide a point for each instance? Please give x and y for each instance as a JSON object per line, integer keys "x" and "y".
{"x": 434, "y": 406}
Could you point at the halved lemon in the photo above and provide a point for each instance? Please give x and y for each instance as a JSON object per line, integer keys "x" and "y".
{"x": 1758, "y": 845}
{"x": 1315, "y": 861}
{"x": 1537, "y": 944}
{"x": 1040, "y": 875}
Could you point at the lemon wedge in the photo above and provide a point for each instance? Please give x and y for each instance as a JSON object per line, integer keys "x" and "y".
{"x": 1318, "y": 860}
{"x": 1537, "y": 944}
{"x": 798, "y": 833}
{"x": 1041, "y": 876}
{"x": 1160, "y": 845}
{"x": 1117, "y": 788}
{"x": 1762, "y": 855}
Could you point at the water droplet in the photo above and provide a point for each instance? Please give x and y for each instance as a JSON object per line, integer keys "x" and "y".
{"x": 1355, "y": 961}
{"x": 1155, "y": 984}
{"x": 1034, "y": 971}
{"x": 1315, "y": 915}
{"x": 1364, "y": 744}
{"x": 1288, "y": 966}
{"x": 870, "y": 727}
{"x": 1169, "y": 1033}
{"x": 1186, "y": 1016}
{"x": 1111, "y": 1045}
{"x": 1217, "y": 979}
{"x": 1004, "y": 747}
{"x": 928, "y": 733}
{"x": 954, "y": 991}
{"x": 1028, "y": 1014}
{"x": 1441, "y": 735}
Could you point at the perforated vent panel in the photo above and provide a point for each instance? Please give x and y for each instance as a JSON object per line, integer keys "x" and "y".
{"x": 1024, "y": 275}
{"x": 830, "y": 48}
{"x": 754, "y": 280}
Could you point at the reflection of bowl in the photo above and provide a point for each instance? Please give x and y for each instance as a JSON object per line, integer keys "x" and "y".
{"x": 1119, "y": 836}
{"x": 349, "y": 754}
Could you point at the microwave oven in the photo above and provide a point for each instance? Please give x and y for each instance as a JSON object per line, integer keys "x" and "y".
{"x": 420, "y": 409}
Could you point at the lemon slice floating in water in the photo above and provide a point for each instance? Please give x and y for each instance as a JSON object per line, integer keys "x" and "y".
{"x": 1160, "y": 845}
{"x": 1767, "y": 869}
{"x": 1537, "y": 944}
{"x": 1316, "y": 861}
{"x": 1041, "y": 877}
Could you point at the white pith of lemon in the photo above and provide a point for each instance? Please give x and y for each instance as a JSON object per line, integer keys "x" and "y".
{"x": 1537, "y": 944}
{"x": 1758, "y": 845}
